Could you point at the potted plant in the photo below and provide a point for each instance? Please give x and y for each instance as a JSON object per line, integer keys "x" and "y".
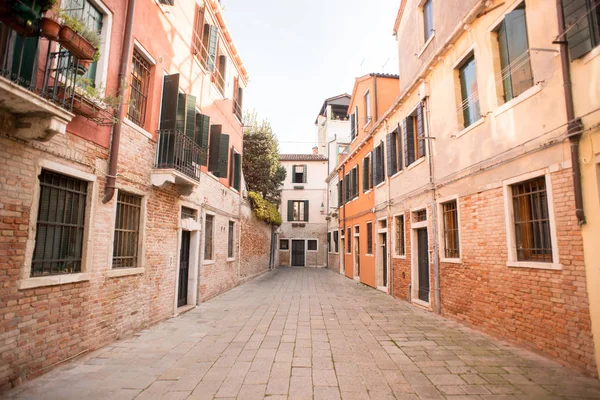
{"x": 22, "y": 16}
{"x": 49, "y": 28}
{"x": 89, "y": 101}
{"x": 78, "y": 39}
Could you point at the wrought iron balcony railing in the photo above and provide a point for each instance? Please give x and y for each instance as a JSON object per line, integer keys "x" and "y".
{"x": 179, "y": 152}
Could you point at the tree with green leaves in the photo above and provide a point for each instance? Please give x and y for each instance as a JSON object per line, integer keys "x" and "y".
{"x": 262, "y": 171}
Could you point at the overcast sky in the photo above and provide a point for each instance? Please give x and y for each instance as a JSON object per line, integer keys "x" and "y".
{"x": 298, "y": 53}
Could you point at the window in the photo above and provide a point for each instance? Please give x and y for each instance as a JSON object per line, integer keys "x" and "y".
{"x": 369, "y": 238}
{"x": 284, "y": 244}
{"x": 221, "y": 73}
{"x": 198, "y": 31}
{"x": 394, "y": 152}
{"x": 235, "y": 178}
{"x": 187, "y": 212}
{"x": 450, "y": 229}
{"x": 312, "y": 245}
{"x": 138, "y": 97}
{"x": 367, "y": 107}
{"x": 420, "y": 215}
{"x": 414, "y": 134}
{"x": 231, "y": 239}
{"x": 60, "y": 225}
{"x": 514, "y": 54}
{"x": 335, "y": 241}
{"x": 354, "y": 182}
{"x": 167, "y": 2}
{"x": 208, "y": 237}
{"x": 378, "y": 164}
{"x": 532, "y": 221}
{"x": 354, "y": 124}
{"x": 218, "y": 157}
{"x": 329, "y": 242}
{"x": 582, "y": 20}
{"x": 299, "y": 173}
{"x": 209, "y": 47}
{"x": 349, "y": 241}
{"x": 400, "y": 246}
{"x": 428, "y": 19}
{"x": 298, "y": 210}
{"x": 367, "y": 171}
{"x": 469, "y": 107}
{"x": 238, "y": 98}
{"x": 127, "y": 226}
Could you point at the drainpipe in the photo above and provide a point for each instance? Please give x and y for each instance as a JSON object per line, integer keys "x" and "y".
{"x": 327, "y": 196}
{"x": 375, "y": 97}
{"x": 574, "y": 124}
{"x": 434, "y": 230}
{"x": 120, "y": 113}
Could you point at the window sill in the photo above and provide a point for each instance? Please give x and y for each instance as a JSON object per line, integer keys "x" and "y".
{"x": 383, "y": 289}
{"x": 230, "y": 259}
{"x": 421, "y": 303}
{"x": 312, "y": 251}
{"x": 42, "y": 281}
{"x": 368, "y": 255}
{"x": 534, "y": 265}
{"x": 415, "y": 163}
{"x": 216, "y": 178}
{"x": 368, "y": 191}
{"x": 591, "y": 55}
{"x": 380, "y": 184}
{"x": 136, "y": 127}
{"x": 399, "y": 257}
{"x": 451, "y": 260}
{"x": 425, "y": 45}
{"x": 470, "y": 127}
{"x": 284, "y": 249}
{"x": 396, "y": 174}
{"x": 119, "y": 272}
{"x": 208, "y": 262}
{"x": 517, "y": 100}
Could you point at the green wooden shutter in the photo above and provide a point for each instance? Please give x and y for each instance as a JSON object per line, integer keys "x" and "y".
{"x": 305, "y": 210}
{"x": 305, "y": 173}
{"x": 202, "y": 132}
{"x": 392, "y": 167}
{"x": 420, "y": 131}
{"x": 399, "y": 147}
{"x": 213, "y": 150}
{"x": 223, "y": 156}
{"x": 365, "y": 179}
{"x": 168, "y": 110}
{"x": 212, "y": 47}
{"x": 339, "y": 189}
{"x": 294, "y": 174}
{"x": 352, "y": 126}
{"x": 237, "y": 173}
{"x": 382, "y": 163}
{"x": 190, "y": 116}
{"x": 577, "y": 21}
{"x": 290, "y": 210}
{"x": 372, "y": 169}
{"x": 409, "y": 141}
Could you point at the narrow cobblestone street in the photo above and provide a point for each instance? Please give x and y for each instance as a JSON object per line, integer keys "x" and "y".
{"x": 309, "y": 333}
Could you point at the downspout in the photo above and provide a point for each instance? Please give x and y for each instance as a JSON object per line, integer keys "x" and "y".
{"x": 390, "y": 231}
{"x": 327, "y": 197}
{"x": 111, "y": 178}
{"x": 574, "y": 124}
{"x": 434, "y": 217}
{"x": 375, "y": 97}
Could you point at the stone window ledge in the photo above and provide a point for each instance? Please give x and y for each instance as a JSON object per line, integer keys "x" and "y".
{"x": 534, "y": 265}
{"x": 53, "y": 280}
{"x": 119, "y": 272}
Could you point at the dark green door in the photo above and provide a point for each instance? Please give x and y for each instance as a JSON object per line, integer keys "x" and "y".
{"x": 184, "y": 265}
{"x": 298, "y": 253}
{"x": 423, "y": 259}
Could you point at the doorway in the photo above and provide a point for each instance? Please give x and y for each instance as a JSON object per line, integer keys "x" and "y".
{"x": 184, "y": 267}
{"x": 298, "y": 253}
{"x": 357, "y": 256}
{"x": 384, "y": 260}
{"x": 423, "y": 264}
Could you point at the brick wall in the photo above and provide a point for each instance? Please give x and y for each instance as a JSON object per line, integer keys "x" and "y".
{"x": 255, "y": 244}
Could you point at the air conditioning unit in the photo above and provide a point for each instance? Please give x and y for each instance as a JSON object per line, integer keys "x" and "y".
{"x": 423, "y": 90}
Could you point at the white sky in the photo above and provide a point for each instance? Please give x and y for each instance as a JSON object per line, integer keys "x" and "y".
{"x": 298, "y": 53}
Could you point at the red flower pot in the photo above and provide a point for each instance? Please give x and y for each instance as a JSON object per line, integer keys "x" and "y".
{"x": 49, "y": 28}
{"x": 76, "y": 44}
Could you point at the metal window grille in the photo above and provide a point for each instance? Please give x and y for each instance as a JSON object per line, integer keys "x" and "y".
{"x": 312, "y": 245}
{"x": 140, "y": 79}
{"x": 230, "y": 239}
{"x": 284, "y": 244}
{"x": 400, "y": 246}
{"x": 127, "y": 227}
{"x": 420, "y": 216}
{"x": 60, "y": 225}
{"x": 335, "y": 241}
{"x": 532, "y": 222}
{"x": 208, "y": 237}
{"x": 329, "y": 242}
{"x": 450, "y": 215}
{"x": 187, "y": 212}
{"x": 369, "y": 238}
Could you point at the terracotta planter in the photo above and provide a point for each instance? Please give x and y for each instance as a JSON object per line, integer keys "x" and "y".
{"x": 76, "y": 44}
{"x": 19, "y": 18}
{"x": 81, "y": 105}
{"x": 82, "y": 67}
{"x": 49, "y": 28}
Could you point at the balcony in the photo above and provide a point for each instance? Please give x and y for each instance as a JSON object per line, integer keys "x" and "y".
{"x": 178, "y": 160}
{"x": 37, "y": 85}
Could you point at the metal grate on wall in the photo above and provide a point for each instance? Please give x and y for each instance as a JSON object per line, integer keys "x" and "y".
{"x": 127, "y": 225}
{"x": 187, "y": 212}
{"x": 60, "y": 225}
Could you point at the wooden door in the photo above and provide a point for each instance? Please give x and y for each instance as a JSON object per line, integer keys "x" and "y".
{"x": 184, "y": 264}
{"x": 384, "y": 258}
{"x": 298, "y": 253}
{"x": 423, "y": 262}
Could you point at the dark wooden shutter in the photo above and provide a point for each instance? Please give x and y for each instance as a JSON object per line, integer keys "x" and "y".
{"x": 213, "y": 150}
{"x": 304, "y": 175}
{"x": 237, "y": 173}
{"x": 202, "y": 132}
{"x": 409, "y": 141}
{"x": 399, "y": 147}
{"x": 365, "y": 174}
{"x": 347, "y": 187}
{"x": 223, "y": 156}
{"x": 352, "y": 126}
{"x": 372, "y": 170}
{"x": 420, "y": 131}
{"x": 381, "y": 162}
{"x": 212, "y": 32}
{"x": 391, "y": 154}
{"x": 339, "y": 193}
{"x": 580, "y": 37}
{"x": 294, "y": 174}
{"x": 305, "y": 210}
{"x": 198, "y": 30}
{"x": 168, "y": 110}
{"x": 190, "y": 116}
{"x": 290, "y": 210}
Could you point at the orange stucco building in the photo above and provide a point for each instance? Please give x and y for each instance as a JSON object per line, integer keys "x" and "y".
{"x": 359, "y": 172}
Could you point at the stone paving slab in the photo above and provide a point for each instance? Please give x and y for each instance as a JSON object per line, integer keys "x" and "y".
{"x": 300, "y": 333}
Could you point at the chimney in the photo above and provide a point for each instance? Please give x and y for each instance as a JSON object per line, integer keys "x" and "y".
{"x": 315, "y": 150}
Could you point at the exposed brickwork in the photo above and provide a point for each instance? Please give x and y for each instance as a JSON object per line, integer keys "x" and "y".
{"x": 255, "y": 244}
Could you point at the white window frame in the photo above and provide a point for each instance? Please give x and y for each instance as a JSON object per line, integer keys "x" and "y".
{"x": 403, "y": 215}
{"x": 440, "y": 212}
{"x": 29, "y": 282}
{"x": 312, "y": 251}
{"x": 148, "y": 57}
{"x": 212, "y": 260}
{"x": 105, "y": 41}
{"x": 423, "y": 44}
{"x": 512, "y": 260}
{"x": 279, "y": 245}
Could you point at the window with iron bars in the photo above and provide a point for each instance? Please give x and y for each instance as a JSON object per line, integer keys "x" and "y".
{"x": 450, "y": 218}
{"x": 127, "y": 229}
{"x": 208, "y": 237}
{"x": 140, "y": 80}
{"x": 60, "y": 225}
{"x": 231, "y": 239}
{"x": 532, "y": 222}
